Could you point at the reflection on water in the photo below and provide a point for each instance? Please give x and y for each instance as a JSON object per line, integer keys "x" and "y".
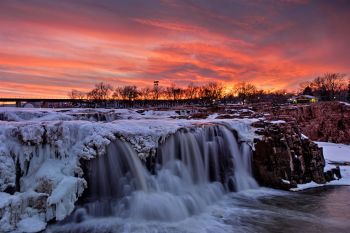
{"x": 324, "y": 209}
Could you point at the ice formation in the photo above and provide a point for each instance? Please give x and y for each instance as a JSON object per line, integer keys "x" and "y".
{"x": 41, "y": 177}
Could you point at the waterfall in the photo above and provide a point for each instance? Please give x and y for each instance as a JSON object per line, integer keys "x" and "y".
{"x": 194, "y": 168}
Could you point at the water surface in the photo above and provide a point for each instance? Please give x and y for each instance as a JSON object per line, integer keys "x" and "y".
{"x": 324, "y": 209}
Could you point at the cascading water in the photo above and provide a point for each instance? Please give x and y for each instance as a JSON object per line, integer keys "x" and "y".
{"x": 195, "y": 168}
{"x": 113, "y": 178}
{"x": 210, "y": 154}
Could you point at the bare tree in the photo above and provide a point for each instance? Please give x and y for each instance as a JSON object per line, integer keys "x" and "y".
{"x": 304, "y": 86}
{"x": 168, "y": 93}
{"x": 116, "y": 94}
{"x": 211, "y": 91}
{"x": 158, "y": 92}
{"x": 101, "y": 92}
{"x": 129, "y": 92}
{"x": 329, "y": 85}
{"x": 76, "y": 95}
{"x": 145, "y": 93}
{"x": 245, "y": 90}
{"x": 307, "y": 91}
{"x": 173, "y": 92}
{"x": 335, "y": 82}
{"x": 191, "y": 92}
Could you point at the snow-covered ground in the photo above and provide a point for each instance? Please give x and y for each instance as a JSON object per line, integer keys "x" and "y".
{"x": 334, "y": 154}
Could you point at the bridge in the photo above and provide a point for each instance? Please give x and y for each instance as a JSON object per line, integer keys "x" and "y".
{"x": 20, "y": 101}
{"x": 62, "y": 103}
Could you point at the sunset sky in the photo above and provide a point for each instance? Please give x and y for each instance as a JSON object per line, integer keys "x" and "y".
{"x": 50, "y": 47}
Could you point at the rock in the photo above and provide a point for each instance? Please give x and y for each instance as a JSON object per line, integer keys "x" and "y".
{"x": 44, "y": 185}
{"x": 226, "y": 116}
{"x": 199, "y": 116}
{"x": 7, "y": 173}
{"x": 282, "y": 154}
{"x": 336, "y": 172}
{"x": 333, "y": 174}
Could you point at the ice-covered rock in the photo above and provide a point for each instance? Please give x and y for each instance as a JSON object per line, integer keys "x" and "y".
{"x": 30, "y": 225}
{"x": 41, "y": 153}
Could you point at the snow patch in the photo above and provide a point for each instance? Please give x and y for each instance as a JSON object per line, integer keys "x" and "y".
{"x": 29, "y": 225}
{"x": 285, "y": 181}
{"x": 278, "y": 122}
{"x": 334, "y": 154}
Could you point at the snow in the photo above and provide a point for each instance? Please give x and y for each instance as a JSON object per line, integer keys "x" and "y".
{"x": 27, "y": 114}
{"x": 65, "y": 195}
{"x": 333, "y": 153}
{"x": 213, "y": 116}
{"x": 4, "y": 199}
{"x": 309, "y": 185}
{"x": 286, "y": 181}
{"x": 278, "y": 122}
{"x": 32, "y": 224}
{"x": 346, "y": 103}
{"x": 308, "y": 96}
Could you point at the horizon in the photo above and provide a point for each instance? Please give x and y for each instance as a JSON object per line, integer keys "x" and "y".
{"x": 48, "y": 48}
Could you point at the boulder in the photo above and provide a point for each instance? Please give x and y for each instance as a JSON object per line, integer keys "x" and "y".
{"x": 283, "y": 157}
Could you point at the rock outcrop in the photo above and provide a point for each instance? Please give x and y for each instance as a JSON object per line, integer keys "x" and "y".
{"x": 283, "y": 157}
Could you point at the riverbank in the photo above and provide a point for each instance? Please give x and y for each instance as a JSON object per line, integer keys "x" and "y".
{"x": 335, "y": 155}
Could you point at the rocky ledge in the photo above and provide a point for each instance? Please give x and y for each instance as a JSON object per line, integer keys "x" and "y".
{"x": 284, "y": 157}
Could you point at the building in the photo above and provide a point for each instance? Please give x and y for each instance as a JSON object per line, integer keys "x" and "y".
{"x": 301, "y": 99}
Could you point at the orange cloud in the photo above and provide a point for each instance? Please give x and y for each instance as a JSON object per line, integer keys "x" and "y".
{"x": 48, "y": 48}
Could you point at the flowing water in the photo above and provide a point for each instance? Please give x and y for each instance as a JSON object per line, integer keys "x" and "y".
{"x": 190, "y": 190}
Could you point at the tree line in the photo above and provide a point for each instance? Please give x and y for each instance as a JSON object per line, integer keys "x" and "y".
{"x": 212, "y": 91}
{"x": 329, "y": 86}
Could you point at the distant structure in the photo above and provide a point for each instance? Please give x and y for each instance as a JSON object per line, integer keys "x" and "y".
{"x": 302, "y": 99}
{"x": 40, "y": 102}
{"x": 156, "y": 84}
{"x": 156, "y": 89}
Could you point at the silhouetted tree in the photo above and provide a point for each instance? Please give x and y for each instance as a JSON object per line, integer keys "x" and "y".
{"x": 303, "y": 86}
{"x": 191, "y": 92}
{"x": 307, "y": 91}
{"x": 245, "y": 91}
{"x": 100, "y": 93}
{"x": 129, "y": 92}
{"x": 116, "y": 94}
{"x": 146, "y": 93}
{"x": 173, "y": 92}
{"x": 328, "y": 86}
{"x": 76, "y": 95}
{"x": 157, "y": 90}
{"x": 211, "y": 91}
